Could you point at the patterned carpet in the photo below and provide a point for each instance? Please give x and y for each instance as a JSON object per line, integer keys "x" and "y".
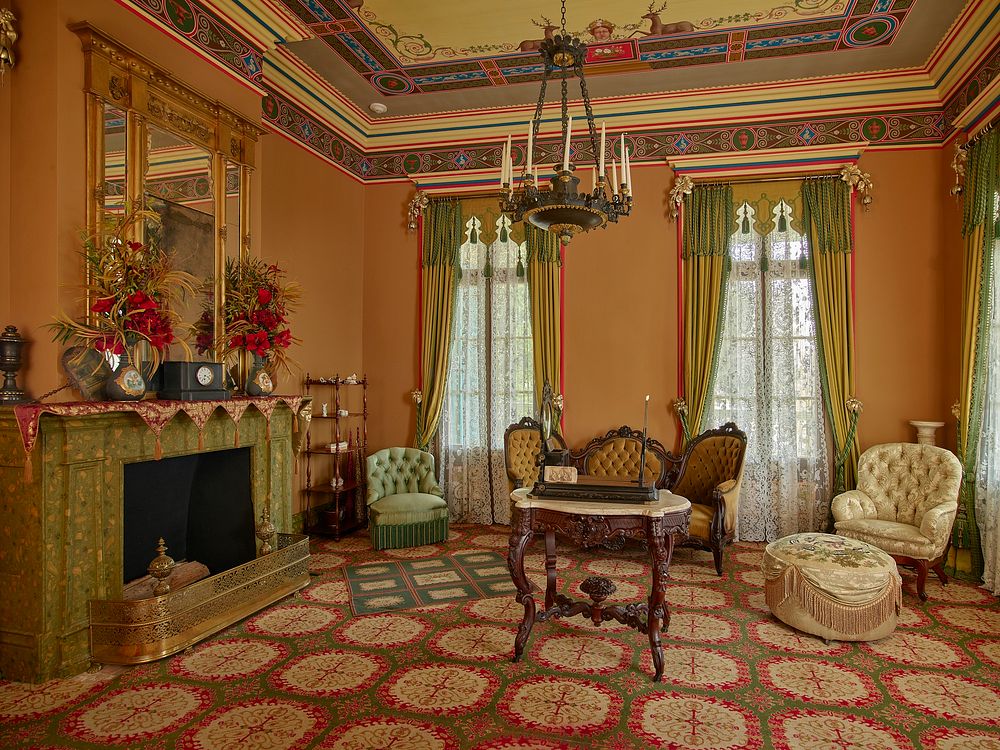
{"x": 307, "y": 672}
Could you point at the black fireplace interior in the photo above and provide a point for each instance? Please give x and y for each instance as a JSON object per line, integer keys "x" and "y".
{"x": 200, "y": 504}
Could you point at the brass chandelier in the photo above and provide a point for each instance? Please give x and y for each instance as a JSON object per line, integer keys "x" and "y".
{"x": 565, "y": 209}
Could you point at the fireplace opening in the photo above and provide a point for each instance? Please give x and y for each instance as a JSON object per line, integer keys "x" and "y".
{"x": 200, "y": 504}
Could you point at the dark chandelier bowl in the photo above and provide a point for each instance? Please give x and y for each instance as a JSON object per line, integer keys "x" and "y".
{"x": 563, "y": 208}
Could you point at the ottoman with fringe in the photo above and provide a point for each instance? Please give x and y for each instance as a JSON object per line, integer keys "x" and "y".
{"x": 831, "y": 586}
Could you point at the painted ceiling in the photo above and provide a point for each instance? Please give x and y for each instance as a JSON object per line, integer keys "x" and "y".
{"x": 425, "y": 57}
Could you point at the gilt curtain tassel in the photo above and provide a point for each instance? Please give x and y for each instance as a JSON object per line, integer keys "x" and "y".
{"x": 745, "y": 226}
{"x": 201, "y": 440}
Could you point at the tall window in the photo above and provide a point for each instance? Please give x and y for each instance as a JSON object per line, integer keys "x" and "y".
{"x": 490, "y": 376}
{"x": 767, "y": 379}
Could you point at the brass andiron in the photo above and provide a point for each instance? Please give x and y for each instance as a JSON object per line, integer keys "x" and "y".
{"x": 264, "y": 531}
{"x": 161, "y": 568}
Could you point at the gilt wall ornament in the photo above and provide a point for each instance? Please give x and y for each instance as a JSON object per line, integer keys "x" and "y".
{"x": 416, "y": 210}
{"x": 958, "y": 162}
{"x": 683, "y": 185}
{"x": 8, "y": 36}
{"x": 860, "y": 182}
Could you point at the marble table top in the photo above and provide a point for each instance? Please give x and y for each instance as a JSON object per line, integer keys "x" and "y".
{"x": 667, "y": 504}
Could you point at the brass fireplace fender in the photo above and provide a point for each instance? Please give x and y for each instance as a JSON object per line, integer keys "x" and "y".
{"x": 133, "y": 632}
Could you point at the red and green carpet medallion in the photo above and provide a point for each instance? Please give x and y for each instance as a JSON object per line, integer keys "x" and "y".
{"x": 309, "y": 672}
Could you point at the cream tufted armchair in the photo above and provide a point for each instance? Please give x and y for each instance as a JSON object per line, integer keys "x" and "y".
{"x": 406, "y": 506}
{"x": 905, "y": 504}
{"x": 710, "y": 476}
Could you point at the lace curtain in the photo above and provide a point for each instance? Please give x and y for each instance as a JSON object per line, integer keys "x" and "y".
{"x": 767, "y": 380}
{"x": 988, "y": 471}
{"x": 490, "y": 376}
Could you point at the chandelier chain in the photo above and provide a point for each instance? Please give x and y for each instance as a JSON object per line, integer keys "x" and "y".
{"x": 590, "y": 112}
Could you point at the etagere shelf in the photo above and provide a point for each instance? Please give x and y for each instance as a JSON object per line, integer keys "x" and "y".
{"x": 335, "y": 489}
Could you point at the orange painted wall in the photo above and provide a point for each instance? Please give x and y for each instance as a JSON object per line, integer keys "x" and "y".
{"x": 321, "y": 248}
{"x": 621, "y": 308}
{"x": 907, "y": 308}
{"x": 392, "y": 305}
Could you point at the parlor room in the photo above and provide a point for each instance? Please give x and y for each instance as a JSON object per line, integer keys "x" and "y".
{"x": 552, "y": 374}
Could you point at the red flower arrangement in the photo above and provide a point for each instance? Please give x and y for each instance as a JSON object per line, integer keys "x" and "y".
{"x": 258, "y": 302}
{"x": 134, "y": 290}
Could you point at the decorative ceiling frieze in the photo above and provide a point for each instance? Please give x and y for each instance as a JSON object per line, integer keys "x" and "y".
{"x": 300, "y": 104}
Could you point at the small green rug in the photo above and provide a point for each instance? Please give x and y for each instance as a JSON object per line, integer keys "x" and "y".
{"x": 385, "y": 585}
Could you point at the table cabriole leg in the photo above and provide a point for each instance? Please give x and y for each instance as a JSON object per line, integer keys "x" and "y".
{"x": 658, "y": 615}
{"x": 520, "y": 535}
{"x": 550, "y": 569}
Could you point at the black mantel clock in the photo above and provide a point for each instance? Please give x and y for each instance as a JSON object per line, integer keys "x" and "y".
{"x": 193, "y": 381}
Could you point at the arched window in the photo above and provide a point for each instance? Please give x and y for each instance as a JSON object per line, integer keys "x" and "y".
{"x": 767, "y": 379}
{"x": 490, "y": 375}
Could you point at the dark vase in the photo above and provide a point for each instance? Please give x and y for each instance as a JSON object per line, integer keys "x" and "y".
{"x": 258, "y": 383}
{"x": 126, "y": 382}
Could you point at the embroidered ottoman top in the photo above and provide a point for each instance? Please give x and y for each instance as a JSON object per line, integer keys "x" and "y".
{"x": 848, "y": 570}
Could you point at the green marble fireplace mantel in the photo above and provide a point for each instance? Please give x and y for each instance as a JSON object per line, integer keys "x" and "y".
{"x": 61, "y": 530}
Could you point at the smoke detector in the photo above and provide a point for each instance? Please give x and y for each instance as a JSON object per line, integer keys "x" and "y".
{"x": 378, "y": 108}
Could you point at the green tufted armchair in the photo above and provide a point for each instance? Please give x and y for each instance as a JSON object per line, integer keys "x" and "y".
{"x": 406, "y": 506}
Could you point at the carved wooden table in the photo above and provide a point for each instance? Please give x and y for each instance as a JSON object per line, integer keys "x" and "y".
{"x": 588, "y": 524}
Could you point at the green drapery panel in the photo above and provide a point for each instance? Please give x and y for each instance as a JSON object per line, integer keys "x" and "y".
{"x": 827, "y": 218}
{"x": 441, "y": 241}
{"x": 709, "y": 222}
{"x": 979, "y": 227}
{"x": 486, "y": 208}
{"x": 544, "y": 262}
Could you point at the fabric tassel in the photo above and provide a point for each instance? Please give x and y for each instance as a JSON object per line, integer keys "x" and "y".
{"x": 520, "y": 266}
{"x": 850, "y": 619}
{"x": 29, "y": 472}
{"x": 782, "y": 222}
{"x": 201, "y": 440}
{"x": 236, "y": 439}
{"x": 158, "y": 450}
{"x": 267, "y": 433}
{"x": 745, "y": 226}
{"x": 295, "y": 422}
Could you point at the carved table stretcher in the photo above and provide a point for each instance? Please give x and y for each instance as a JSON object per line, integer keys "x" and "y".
{"x": 589, "y": 523}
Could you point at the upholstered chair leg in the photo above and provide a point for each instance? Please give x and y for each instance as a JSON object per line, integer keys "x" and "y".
{"x": 717, "y": 554}
{"x": 921, "y": 579}
{"x": 939, "y": 571}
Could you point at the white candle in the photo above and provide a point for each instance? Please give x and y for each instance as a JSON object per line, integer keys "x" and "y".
{"x": 593, "y": 177}
{"x": 627, "y": 177}
{"x": 536, "y": 177}
{"x": 510, "y": 163}
{"x": 614, "y": 176}
{"x": 569, "y": 129}
{"x": 531, "y": 142}
{"x": 503, "y": 163}
{"x": 600, "y": 169}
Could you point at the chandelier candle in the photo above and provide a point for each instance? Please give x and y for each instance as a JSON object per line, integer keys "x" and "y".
{"x": 564, "y": 207}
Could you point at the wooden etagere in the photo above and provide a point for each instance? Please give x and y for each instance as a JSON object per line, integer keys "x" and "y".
{"x": 336, "y": 446}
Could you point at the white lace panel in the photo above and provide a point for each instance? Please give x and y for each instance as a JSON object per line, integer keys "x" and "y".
{"x": 988, "y": 471}
{"x": 767, "y": 381}
{"x": 490, "y": 377}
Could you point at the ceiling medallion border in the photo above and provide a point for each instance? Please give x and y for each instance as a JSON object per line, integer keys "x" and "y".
{"x": 421, "y": 67}
{"x": 234, "y": 53}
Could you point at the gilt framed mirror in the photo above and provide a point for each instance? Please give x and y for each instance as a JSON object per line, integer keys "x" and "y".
{"x": 154, "y": 142}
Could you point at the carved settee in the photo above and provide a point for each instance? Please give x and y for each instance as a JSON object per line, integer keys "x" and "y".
{"x": 616, "y": 455}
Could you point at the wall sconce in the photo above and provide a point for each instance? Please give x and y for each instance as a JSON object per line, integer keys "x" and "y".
{"x": 7, "y": 38}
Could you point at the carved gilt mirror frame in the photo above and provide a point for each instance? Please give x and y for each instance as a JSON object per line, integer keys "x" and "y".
{"x": 153, "y": 139}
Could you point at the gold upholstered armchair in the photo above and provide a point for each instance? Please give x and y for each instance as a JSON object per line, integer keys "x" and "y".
{"x": 521, "y": 444}
{"x": 617, "y": 454}
{"x": 710, "y": 475}
{"x": 905, "y": 504}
